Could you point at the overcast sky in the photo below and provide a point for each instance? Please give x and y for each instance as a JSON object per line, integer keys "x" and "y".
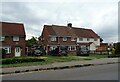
{"x": 99, "y": 15}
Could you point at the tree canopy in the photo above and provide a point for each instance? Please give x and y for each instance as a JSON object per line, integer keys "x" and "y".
{"x": 31, "y": 42}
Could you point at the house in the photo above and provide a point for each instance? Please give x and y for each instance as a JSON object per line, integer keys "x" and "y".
{"x": 12, "y": 38}
{"x": 54, "y": 36}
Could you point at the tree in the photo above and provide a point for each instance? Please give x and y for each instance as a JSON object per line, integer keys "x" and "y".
{"x": 31, "y": 42}
{"x": 117, "y": 51}
{"x": 2, "y": 53}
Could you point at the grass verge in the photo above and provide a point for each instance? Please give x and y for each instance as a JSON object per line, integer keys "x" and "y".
{"x": 48, "y": 60}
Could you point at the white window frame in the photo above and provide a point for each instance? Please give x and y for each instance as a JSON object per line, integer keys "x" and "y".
{"x": 53, "y": 38}
{"x": 73, "y": 39}
{"x": 2, "y": 38}
{"x": 7, "y": 49}
{"x": 71, "y": 48}
{"x": 80, "y": 39}
{"x": 53, "y": 47}
{"x": 95, "y": 39}
{"x": 88, "y": 39}
{"x": 16, "y": 38}
{"x": 64, "y": 38}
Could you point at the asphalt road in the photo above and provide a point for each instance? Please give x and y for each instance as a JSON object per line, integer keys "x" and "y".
{"x": 101, "y": 72}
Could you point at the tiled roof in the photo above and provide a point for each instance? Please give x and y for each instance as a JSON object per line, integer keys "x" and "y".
{"x": 71, "y": 31}
{"x": 12, "y": 28}
{"x": 63, "y": 31}
{"x": 88, "y": 33}
{"x": 49, "y": 29}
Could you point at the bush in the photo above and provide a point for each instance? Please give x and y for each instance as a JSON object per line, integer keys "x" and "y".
{"x": 117, "y": 51}
{"x": 20, "y": 60}
{"x": 2, "y": 53}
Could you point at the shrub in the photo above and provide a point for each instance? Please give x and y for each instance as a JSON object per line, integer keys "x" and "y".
{"x": 2, "y": 53}
{"x": 117, "y": 48}
{"x": 21, "y": 60}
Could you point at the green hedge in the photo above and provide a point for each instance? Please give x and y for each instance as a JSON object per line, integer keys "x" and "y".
{"x": 21, "y": 60}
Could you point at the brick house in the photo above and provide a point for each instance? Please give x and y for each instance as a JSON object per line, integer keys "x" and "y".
{"x": 12, "y": 38}
{"x": 54, "y": 36}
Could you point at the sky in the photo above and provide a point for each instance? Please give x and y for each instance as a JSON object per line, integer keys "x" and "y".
{"x": 99, "y": 15}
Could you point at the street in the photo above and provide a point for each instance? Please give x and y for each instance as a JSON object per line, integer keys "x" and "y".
{"x": 100, "y": 72}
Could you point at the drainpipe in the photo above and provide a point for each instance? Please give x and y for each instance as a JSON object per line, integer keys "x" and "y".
{"x": 58, "y": 43}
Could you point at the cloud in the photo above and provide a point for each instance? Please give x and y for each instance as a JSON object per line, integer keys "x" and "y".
{"x": 99, "y": 15}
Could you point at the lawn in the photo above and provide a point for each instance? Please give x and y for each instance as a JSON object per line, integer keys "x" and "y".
{"x": 52, "y": 59}
{"x": 98, "y": 56}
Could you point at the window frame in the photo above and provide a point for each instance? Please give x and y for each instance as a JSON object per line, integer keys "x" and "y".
{"x": 73, "y": 39}
{"x": 14, "y": 38}
{"x": 7, "y": 49}
{"x": 53, "y": 38}
{"x": 72, "y": 48}
{"x": 2, "y": 38}
{"x": 64, "y": 38}
{"x": 88, "y": 39}
{"x": 80, "y": 39}
{"x": 95, "y": 39}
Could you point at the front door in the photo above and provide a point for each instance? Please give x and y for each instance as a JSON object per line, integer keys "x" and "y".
{"x": 17, "y": 51}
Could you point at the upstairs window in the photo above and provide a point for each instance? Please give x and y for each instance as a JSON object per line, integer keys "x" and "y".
{"x": 95, "y": 39}
{"x": 15, "y": 38}
{"x": 2, "y": 38}
{"x": 52, "y": 38}
{"x": 88, "y": 39}
{"x": 64, "y": 38}
{"x": 80, "y": 39}
{"x": 73, "y": 39}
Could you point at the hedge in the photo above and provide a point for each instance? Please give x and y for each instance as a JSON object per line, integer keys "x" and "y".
{"x": 21, "y": 60}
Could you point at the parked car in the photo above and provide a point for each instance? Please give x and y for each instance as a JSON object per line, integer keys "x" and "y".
{"x": 83, "y": 52}
{"x": 54, "y": 52}
{"x": 63, "y": 52}
{"x": 35, "y": 52}
{"x": 38, "y": 52}
{"x": 58, "y": 52}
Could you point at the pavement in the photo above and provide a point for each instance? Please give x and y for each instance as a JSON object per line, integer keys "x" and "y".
{"x": 59, "y": 65}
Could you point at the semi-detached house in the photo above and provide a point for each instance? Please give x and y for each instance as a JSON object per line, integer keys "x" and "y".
{"x": 12, "y": 39}
{"x": 54, "y": 36}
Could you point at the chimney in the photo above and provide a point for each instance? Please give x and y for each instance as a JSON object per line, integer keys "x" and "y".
{"x": 69, "y": 24}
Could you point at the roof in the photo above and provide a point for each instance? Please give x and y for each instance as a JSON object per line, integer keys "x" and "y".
{"x": 88, "y": 33}
{"x": 12, "y": 28}
{"x": 62, "y": 31}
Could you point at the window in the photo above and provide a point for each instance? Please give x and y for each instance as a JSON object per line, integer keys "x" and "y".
{"x": 72, "y": 48}
{"x": 15, "y": 38}
{"x": 53, "y": 39}
{"x": 7, "y": 49}
{"x": 64, "y": 38}
{"x": 95, "y": 39}
{"x": 2, "y": 38}
{"x": 88, "y": 39}
{"x": 80, "y": 39}
{"x": 53, "y": 47}
{"x": 73, "y": 39}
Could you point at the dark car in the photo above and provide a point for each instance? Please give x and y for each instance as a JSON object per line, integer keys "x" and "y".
{"x": 38, "y": 52}
{"x": 54, "y": 52}
{"x": 58, "y": 52}
{"x": 35, "y": 52}
{"x": 63, "y": 52}
{"x": 83, "y": 52}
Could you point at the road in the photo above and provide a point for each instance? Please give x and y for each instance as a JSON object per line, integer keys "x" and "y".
{"x": 101, "y": 72}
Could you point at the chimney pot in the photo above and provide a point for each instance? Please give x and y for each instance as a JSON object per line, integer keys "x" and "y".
{"x": 69, "y": 24}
